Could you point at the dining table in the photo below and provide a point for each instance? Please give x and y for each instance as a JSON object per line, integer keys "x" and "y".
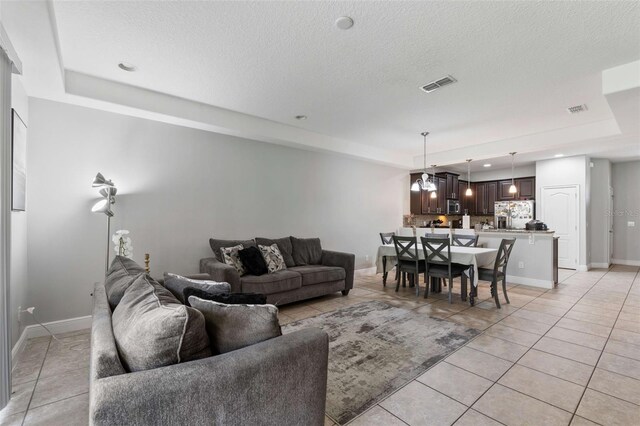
{"x": 475, "y": 257}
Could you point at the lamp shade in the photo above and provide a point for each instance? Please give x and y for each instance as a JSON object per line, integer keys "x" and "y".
{"x": 102, "y": 206}
{"x": 468, "y": 192}
{"x": 513, "y": 189}
{"x": 99, "y": 181}
{"x": 108, "y": 191}
{"x": 434, "y": 195}
{"x": 415, "y": 186}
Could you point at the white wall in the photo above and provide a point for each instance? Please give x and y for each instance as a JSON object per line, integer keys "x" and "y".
{"x": 569, "y": 171}
{"x": 598, "y": 222}
{"x": 18, "y": 278}
{"x": 489, "y": 174}
{"x": 626, "y": 208}
{"x": 177, "y": 188}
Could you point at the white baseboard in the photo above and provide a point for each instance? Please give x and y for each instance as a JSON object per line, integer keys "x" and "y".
{"x": 582, "y": 268}
{"x": 625, "y": 262}
{"x": 365, "y": 272}
{"x": 56, "y": 327}
{"x": 533, "y": 282}
{"x": 599, "y": 265}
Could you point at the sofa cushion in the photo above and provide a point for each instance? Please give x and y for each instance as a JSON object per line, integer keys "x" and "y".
{"x": 317, "y": 274}
{"x": 153, "y": 329}
{"x": 284, "y": 245}
{"x": 229, "y": 299}
{"x": 253, "y": 262}
{"x": 231, "y": 256}
{"x": 216, "y": 245}
{"x": 121, "y": 274}
{"x": 232, "y": 327}
{"x": 176, "y": 285}
{"x": 306, "y": 251}
{"x": 271, "y": 283}
{"x": 273, "y": 258}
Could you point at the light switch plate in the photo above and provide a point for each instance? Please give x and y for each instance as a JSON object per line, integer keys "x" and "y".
{"x": 631, "y": 224}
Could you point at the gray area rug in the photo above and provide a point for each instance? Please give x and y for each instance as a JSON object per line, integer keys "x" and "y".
{"x": 375, "y": 349}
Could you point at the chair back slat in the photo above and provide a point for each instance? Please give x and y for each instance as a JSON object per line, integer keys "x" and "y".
{"x": 434, "y": 235}
{"x": 387, "y": 237}
{"x": 504, "y": 251}
{"x": 406, "y": 248}
{"x": 437, "y": 250}
{"x": 465, "y": 240}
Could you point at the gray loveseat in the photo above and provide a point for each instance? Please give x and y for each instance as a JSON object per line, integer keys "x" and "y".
{"x": 311, "y": 271}
{"x": 281, "y": 381}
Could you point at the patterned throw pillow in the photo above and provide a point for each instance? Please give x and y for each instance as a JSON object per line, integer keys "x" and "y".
{"x": 273, "y": 257}
{"x": 231, "y": 257}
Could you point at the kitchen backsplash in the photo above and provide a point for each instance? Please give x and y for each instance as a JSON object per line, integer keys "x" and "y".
{"x": 422, "y": 220}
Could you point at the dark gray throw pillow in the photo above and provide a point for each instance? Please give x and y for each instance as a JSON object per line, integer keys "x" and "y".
{"x": 122, "y": 272}
{"x": 284, "y": 245}
{"x": 216, "y": 245}
{"x": 177, "y": 283}
{"x": 229, "y": 299}
{"x": 253, "y": 261}
{"x": 232, "y": 327}
{"x": 306, "y": 251}
{"x": 152, "y": 329}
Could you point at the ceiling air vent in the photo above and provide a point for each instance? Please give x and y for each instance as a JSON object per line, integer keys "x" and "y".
{"x": 435, "y": 85}
{"x": 576, "y": 109}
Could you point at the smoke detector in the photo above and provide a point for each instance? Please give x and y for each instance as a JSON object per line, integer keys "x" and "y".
{"x": 436, "y": 84}
{"x": 577, "y": 108}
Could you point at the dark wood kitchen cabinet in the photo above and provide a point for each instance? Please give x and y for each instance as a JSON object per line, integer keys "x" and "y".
{"x": 467, "y": 203}
{"x": 526, "y": 189}
{"x": 415, "y": 197}
{"x": 451, "y": 190}
{"x": 486, "y": 196}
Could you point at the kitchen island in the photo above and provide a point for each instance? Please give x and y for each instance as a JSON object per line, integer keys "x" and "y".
{"x": 534, "y": 258}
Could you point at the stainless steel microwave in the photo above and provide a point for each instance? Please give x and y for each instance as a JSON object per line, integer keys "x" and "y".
{"x": 453, "y": 207}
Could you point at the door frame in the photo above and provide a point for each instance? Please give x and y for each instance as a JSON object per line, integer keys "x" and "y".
{"x": 541, "y": 204}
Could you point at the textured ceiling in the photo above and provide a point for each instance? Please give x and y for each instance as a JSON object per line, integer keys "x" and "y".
{"x": 518, "y": 64}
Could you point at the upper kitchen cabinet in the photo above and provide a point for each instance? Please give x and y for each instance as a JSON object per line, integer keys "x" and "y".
{"x": 526, "y": 189}
{"x": 485, "y": 197}
{"x": 415, "y": 197}
{"x": 451, "y": 190}
{"x": 467, "y": 202}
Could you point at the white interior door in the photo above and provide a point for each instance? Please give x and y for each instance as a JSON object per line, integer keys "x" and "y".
{"x": 560, "y": 213}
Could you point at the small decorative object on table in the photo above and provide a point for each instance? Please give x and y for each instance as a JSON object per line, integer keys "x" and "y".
{"x": 123, "y": 247}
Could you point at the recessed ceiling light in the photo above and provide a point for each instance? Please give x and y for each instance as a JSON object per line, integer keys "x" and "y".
{"x": 301, "y": 117}
{"x": 125, "y": 66}
{"x": 486, "y": 165}
{"x": 344, "y": 22}
{"x": 559, "y": 155}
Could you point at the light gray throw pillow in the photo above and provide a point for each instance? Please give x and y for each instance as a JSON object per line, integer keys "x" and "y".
{"x": 152, "y": 329}
{"x": 122, "y": 272}
{"x": 232, "y": 327}
{"x": 177, "y": 283}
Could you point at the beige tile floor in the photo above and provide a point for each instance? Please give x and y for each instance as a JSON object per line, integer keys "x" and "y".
{"x": 570, "y": 355}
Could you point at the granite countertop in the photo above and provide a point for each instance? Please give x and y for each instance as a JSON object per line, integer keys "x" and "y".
{"x": 516, "y": 231}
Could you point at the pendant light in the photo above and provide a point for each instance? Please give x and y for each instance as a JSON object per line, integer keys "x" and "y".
{"x": 434, "y": 193}
{"x": 424, "y": 183}
{"x": 468, "y": 192}
{"x": 512, "y": 188}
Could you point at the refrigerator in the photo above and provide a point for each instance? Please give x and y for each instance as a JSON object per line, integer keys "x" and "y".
{"x": 513, "y": 214}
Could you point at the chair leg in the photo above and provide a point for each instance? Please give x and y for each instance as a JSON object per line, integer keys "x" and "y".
{"x": 450, "y": 289}
{"x": 397, "y": 283}
{"x": 494, "y": 286}
{"x": 404, "y": 279}
{"x": 384, "y": 271}
{"x": 426, "y": 285}
{"x": 504, "y": 289}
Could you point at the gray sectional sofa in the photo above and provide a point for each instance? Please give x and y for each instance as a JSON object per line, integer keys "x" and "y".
{"x": 280, "y": 381}
{"x": 311, "y": 271}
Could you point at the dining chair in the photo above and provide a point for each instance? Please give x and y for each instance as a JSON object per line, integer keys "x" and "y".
{"x": 434, "y": 235}
{"x": 499, "y": 270}
{"x": 387, "y": 238}
{"x": 465, "y": 240}
{"x": 409, "y": 261}
{"x": 437, "y": 253}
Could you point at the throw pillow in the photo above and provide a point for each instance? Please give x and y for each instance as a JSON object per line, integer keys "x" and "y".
{"x": 229, "y": 299}
{"x": 273, "y": 258}
{"x": 284, "y": 245}
{"x": 231, "y": 257}
{"x": 306, "y": 251}
{"x": 122, "y": 272}
{"x": 176, "y": 285}
{"x": 232, "y": 327}
{"x": 253, "y": 261}
{"x": 216, "y": 245}
{"x": 152, "y": 329}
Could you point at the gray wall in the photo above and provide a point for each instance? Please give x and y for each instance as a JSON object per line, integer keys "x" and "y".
{"x": 177, "y": 188}
{"x": 18, "y": 278}
{"x": 626, "y": 208}
{"x": 599, "y": 223}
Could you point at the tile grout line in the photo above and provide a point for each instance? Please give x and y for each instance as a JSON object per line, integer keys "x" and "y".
{"x": 26, "y": 411}
{"x": 605, "y": 345}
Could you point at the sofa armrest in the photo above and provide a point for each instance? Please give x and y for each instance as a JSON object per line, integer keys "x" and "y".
{"x": 281, "y": 381}
{"x": 221, "y": 272}
{"x": 344, "y": 260}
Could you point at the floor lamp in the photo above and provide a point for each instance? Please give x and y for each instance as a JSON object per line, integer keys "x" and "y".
{"x": 108, "y": 192}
